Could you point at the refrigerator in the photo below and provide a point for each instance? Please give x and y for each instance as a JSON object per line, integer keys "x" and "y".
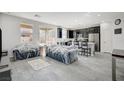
{"x": 94, "y": 37}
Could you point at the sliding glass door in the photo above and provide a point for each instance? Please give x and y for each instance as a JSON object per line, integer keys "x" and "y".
{"x": 42, "y": 38}
{"x": 47, "y": 36}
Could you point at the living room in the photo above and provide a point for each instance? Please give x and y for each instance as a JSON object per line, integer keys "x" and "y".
{"x": 85, "y": 40}
{"x": 61, "y": 46}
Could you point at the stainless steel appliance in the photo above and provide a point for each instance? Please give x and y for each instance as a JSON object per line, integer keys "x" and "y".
{"x": 94, "y": 37}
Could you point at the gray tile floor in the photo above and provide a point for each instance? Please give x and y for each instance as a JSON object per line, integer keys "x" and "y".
{"x": 96, "y": 68}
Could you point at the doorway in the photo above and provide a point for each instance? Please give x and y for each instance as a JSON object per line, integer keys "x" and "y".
{"x": 106, "y": 37}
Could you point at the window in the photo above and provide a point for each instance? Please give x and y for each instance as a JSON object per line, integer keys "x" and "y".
{"x": 47, "y": 36}
{"x": 26, "y": 32}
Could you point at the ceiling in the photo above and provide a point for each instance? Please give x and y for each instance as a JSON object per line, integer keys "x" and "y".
{"x": 70, "y": 20}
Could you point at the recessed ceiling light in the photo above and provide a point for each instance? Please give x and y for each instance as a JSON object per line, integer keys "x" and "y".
{"x": 36, "y": 15}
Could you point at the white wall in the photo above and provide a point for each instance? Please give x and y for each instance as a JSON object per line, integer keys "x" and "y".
{"x": 118, "y": 39}
{"x": 11, "y": 30}
{"x": 115, "y": 41}
{"x": 106, "y": 36}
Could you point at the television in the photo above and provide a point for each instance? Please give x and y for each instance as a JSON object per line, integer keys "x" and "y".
{"x": 0, "y": 43}
{"x": 118, "y": 31}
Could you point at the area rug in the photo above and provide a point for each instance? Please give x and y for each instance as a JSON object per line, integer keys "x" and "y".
{"x": 38, "y": 64}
